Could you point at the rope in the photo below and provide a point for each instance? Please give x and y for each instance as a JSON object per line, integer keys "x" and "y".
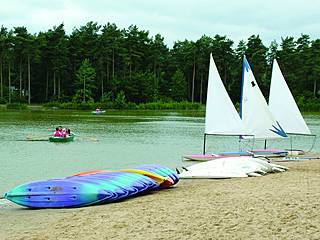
{"x": 314, "y": 142}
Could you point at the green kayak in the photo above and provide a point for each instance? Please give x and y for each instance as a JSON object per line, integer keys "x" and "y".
{"x": 62, "y": 139}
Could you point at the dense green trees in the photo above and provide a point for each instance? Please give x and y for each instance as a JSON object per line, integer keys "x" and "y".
{"x": 95, "y": 63}
{"x": 179, "y": 86}
{"x": 85, "y": 82}
{"x": 4, "y": 47}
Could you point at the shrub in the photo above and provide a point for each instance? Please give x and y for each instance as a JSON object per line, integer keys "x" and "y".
{"x": 3, "y": 101}
{"x": 309, "y": 104}
{"x": 120, "y": 102}
{"x": 17, "y": 106}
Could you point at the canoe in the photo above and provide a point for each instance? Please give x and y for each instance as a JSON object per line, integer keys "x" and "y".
{"x": 62, "y": 139}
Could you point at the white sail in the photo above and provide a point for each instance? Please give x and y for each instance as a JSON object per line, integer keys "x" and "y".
{"x": 283, "y": 106}
{"x": 254, "y": 110}
{"x": 221, "y": 116}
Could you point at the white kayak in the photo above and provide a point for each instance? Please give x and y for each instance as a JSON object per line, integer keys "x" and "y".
{"x": 231, "y": 167}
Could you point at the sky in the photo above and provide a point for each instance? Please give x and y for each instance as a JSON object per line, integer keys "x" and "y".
{"x": 175, "y": 20}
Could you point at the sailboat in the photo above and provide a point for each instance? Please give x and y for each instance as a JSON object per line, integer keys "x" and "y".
{"x": 221, "y": 116}
{"x": 283, "y": 106}
{"x": 256, "y": 115}
{"x": 254, "y": 110}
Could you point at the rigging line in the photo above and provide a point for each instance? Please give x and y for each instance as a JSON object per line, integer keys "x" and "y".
{"x": 314, "y": 142}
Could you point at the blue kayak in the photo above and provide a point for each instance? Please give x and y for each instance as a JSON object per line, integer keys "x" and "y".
{"x": 87, "y": 189}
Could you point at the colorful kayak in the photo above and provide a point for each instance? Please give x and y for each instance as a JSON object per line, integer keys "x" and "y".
{"x": 62, "y": 139}
{"x": 91, "y": 187}
{"x": 162, "y": 171}
{"x": 163, "y": 175}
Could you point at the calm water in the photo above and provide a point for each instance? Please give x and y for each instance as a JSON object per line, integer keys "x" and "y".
{"x": 111, "y": 141}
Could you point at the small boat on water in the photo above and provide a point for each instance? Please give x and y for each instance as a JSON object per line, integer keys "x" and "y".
{"x": 98, "y": 112}
{"x": 68, "y": 138}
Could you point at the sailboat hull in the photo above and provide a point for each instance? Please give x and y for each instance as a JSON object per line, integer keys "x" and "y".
{"x": 201, "y": 157}
{"x": 269, "y": 152}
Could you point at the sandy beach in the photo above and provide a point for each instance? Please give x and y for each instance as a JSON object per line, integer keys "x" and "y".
{"x": 276, "y": 206}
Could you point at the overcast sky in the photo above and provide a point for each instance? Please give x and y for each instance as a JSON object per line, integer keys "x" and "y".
{"x": 173, "y": 19}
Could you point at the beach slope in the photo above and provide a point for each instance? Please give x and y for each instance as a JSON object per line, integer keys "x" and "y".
{"x": 276, "y": 206}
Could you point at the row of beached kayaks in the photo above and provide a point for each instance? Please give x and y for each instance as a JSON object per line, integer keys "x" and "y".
{"x": 104, "y": 186}
{"x": 93, "y": 187}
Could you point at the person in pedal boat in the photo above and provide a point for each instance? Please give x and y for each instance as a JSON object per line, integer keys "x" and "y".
{"x": 65, "y": 132}
{"x": 98, "y": 109}
{"x": 57, "y": 133}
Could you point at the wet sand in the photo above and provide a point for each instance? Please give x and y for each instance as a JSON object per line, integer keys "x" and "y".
{"x": 275, "y": 206}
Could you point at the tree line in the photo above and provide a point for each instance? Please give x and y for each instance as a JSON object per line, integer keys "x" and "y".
{"x": 98, "y": 63}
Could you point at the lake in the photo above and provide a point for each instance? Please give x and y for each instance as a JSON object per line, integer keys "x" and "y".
{"x": 117, "y": 139}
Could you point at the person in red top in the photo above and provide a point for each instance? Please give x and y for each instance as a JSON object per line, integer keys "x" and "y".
{"x": 57, "y": 133}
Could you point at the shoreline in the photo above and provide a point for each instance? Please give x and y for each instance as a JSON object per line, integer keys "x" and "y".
{"x": 201, "y": 111}
{"x": 275, "y": 206}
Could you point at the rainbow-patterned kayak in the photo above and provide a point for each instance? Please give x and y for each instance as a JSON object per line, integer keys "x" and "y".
{"x": 92, "y": 187}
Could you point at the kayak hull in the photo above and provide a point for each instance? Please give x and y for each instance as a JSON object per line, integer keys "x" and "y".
{"x": 92, "y": 187}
